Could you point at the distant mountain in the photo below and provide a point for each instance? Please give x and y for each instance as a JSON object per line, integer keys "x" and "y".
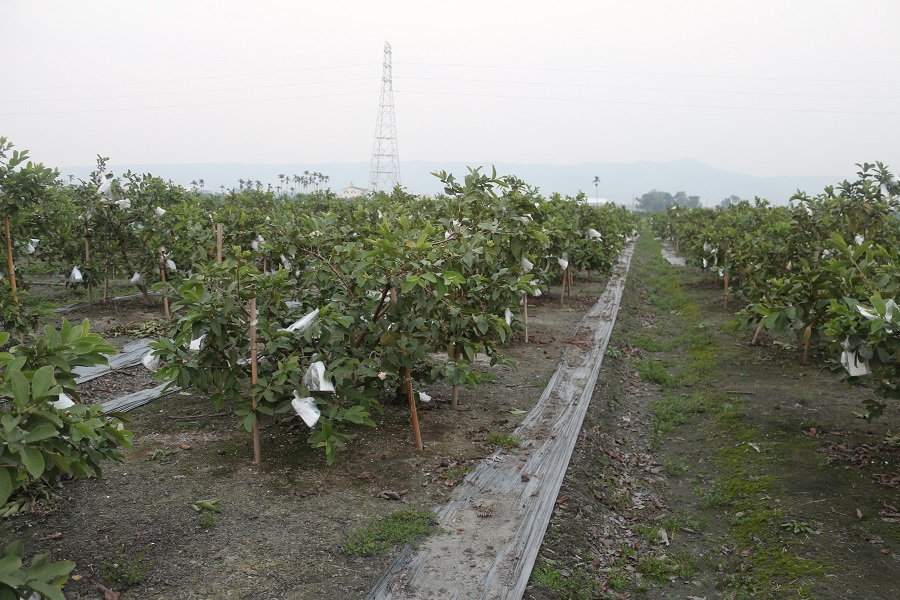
{"x": 619, "y": 181}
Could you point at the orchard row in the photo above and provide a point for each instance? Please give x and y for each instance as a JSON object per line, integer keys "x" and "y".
{"x": 826, "y": 267}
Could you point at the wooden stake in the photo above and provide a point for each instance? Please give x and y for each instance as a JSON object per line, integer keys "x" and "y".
{"x": 806, "y": 348}
{"x": 562, "y": 291}
{"x": 755, "y": 339}
{"x": 725, "y": 297}
{"x": 87, "y": 264}
{"x": 106, "y": 284}
{"x": 453, "y": 355}
{"x": 525, "y": 314}
{"x": 220, "y": 233}
{"x": 9, "y": 263}
{"x": 165, "y": 290}
{"x": 571, "y": 281}
{"x": 412, "y": 408}
{"x": 257, "y": 452}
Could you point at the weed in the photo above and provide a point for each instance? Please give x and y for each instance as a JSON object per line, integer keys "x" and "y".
{"x": 506, "y": 441}
{"x": 456, "y": 475}
{"x": 122, "y": 572}
{"x": 208, "y": 519}
{"x": 576, "y": 583}
{"x": 401, "y": 527}
{"x": 649, "y": 533}
{"x": 796, "y": 527}
{"x": 675, "y": 467}
{"x": 613, "y": 352}
{"x": 662, "y": 568}
{"x": 653, "y": 372}
{"x": 648, "y": 343}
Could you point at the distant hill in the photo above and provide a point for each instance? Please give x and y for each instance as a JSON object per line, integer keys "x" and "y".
{"x": 619, "y": 181}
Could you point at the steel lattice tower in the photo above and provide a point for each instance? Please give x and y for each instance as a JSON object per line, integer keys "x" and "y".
{"x": 385, "y": 169}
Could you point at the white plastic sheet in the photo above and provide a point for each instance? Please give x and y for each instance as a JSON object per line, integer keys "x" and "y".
{"x": 160, "y": 211}
{"x": 75, "y": 276}
{"x": 315, "y": 380}
{"x": 306, "y": 408}
{"x": 423, "y": 397}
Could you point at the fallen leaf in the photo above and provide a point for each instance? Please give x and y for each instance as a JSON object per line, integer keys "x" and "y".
{"x": 885, "y": 550}
{"x": 185, "y": 446}
{"x": 77, "y": 577}
{"x": 562, "y": 500}
{"x": 108, "y": 594}
{"x": 366, "y": 475}
{"x": 859, "y": 514}
{"x": 754, "y": 446}
{"x": 664, "y": 536}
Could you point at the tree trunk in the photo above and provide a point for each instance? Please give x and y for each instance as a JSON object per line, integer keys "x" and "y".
{"x": 9, "y": 263}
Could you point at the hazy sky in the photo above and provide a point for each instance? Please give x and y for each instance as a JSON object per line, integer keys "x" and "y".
{"x": 763, "y": 87}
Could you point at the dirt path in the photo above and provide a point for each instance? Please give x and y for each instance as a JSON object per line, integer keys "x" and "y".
{"x": 710, "y": 469}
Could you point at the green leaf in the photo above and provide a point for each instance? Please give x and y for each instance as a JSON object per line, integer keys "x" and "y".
{"x": 21, "y": 390}
{"x": 40, "y": 384}
{"x": 6, "y": 485}
{"x": 33, "y": 461}
{"x": 41, "y": 432}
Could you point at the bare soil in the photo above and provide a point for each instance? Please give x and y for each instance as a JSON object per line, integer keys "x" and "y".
{"x": 282, "y": 526}
{"x": 825, "y": 524}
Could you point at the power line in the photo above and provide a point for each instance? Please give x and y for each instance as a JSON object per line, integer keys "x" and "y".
{"x": 610, "y": 72}
{"x": 650, "y": 89}
{"x": 231, "y": 89}
{"x": 223, "y": 102}
{"x": 204, "y": 77}
{"x": 642, "y": 103}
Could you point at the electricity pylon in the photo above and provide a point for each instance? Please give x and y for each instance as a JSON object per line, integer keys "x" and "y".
{"x": 385, "y": 170}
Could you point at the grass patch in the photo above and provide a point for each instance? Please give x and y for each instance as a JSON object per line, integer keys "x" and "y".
{"x": 648, "y": 343}
{"x": 664, "y": 567}
{"x": 401, "y": 527}
{"x": 570, "y": 583}
{"x": 507, "y": 441}
{"x": 652, "y": 371}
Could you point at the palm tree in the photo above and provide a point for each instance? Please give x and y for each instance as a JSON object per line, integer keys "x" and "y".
{"x": 597, "y": 186}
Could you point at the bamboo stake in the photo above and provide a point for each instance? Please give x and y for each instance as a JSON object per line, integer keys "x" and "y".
{"x": 220, "y": 233}
{"x": 106, "y": 284}
{"x": 87, "y": 264}
{"x": 257, "y": 453}
{"x": 9, "y": 263}
{"x": 454, "y": 356}
{"x": 571, "y": 281}
{"x": 725, "y": 297}
{"x": 412, "y": 409}
{"x": 525, "y": 314}
{"x": 755, "y": 339}
{"x": 165, "y": 289}
{"x": 562, "y": 291}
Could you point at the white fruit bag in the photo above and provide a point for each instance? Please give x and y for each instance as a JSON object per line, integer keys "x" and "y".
{"x": 855, "y": 366}
{"x": 151, "y": 361}
{"x": 197, "y": 343}
{"x": 63, "y": 402}
{"x": 303, "y": 324}
{"x": 76, "y": 277}
{"x": 306, "y": 408}
{"x": 563, "y": 263}
{"x": 527, "y": 265}
{"x": 160, "y": 211}
{"x": 136, "y": 279}
{"x": 170, "y": 265}
{"x": 315, "y": 380}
